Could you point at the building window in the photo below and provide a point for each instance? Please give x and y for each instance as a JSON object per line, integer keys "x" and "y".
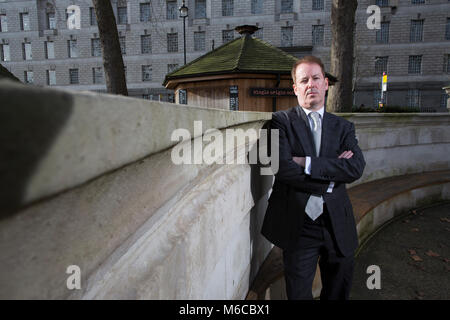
{"x": 447, "y": 30}
{"x": 417, "y": 1}
{"x": 172, "y": 67}
{"x": 122, "y": 15}
{"x": 123, "y": 45}
{"x": 199, "y": 41}
{"x": 93, "y": 17}
{"x": 416, "y": 31}
{"x": 200, "y": 9}
{"x": 96, "y": 48}
{"x": 49, "y": 50}
{"x": 257, "y": 6}
{"x": 227, "y": 36}
{"x": 28, "y": 75}
{"x": 444, "y": 98}
{"x": 172, "y": 42}
{"x": 172, "y": 10}
{"x": 287, "y": 6}
{"x": 382, "y": 3}
{"x": 382, "y": 35}
{"x": 381, "y": 65}
{"x": 317, "y": 35}
{"x": 26, "y": 50}
{"x": 25, "y": 22}
{"x": 5, "y": 53}
{"x": 317, "y": 4}
{"x": 415, "y": 64}
{"x": 286, "y": 36}
{"x": 413, "y": 98}
{"x": 73, "y": 76}
{"x": 147, "y": 73}
{"x": 227, "y": 8}
{"x": 51, "y": 77}
{"x": 376, "y": 98}
{"x": 72, "y": 48}
{"x": 97, "y": 75}
{"x": 447, "y": 63}
{"x": 144, "y": 9}
{"x": 3, "y": 23}
{"x": 51, "y": 21}
{"x": 146, "y": 44}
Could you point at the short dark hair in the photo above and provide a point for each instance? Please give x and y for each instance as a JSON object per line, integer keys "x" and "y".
{"x": 307, "y": 59}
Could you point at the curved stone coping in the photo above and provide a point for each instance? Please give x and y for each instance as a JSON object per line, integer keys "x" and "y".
{"x": 383, "y": 194}
{"x": 56, "y": 139}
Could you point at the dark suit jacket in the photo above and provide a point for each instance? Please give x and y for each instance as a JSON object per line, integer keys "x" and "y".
{"x": 292, "y": 187}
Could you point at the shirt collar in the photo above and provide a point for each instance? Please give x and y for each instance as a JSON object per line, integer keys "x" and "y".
{"x": 320, "y": 111}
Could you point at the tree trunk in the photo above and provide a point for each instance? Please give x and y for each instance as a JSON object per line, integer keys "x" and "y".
{"x": 112, "y": 54}
{"x": 342, "y": 24}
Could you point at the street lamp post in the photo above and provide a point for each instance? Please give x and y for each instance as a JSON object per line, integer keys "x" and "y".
{"x": 183, "y": 14}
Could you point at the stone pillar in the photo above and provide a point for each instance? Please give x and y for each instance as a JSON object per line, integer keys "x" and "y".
{"x": 447, "y": 90}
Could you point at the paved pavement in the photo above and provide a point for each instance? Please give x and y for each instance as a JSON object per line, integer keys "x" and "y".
{"x": 413, "y": 254}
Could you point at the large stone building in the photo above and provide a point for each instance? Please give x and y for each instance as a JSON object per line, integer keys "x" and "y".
{"x": 411, "y": 43}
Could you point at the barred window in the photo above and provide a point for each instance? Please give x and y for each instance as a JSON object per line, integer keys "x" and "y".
{"x": 73, "y": 76}
{"x": 444, "y": 98}
{"x": 415, "y": 64}
{"x": 146, "y": 44}
{"x": 122, "y": 15}
{"x": 287, "y": 6}
{"x": 381, "y": 64}
{"x": 28, "y": 75}
{"x": 382, "y": 3}
{"x": 382, "y": 35}
{"x": 317, "y": 4}
{"x": 147, "y": 73}
{"x": 5, "y": 53}
{"x": 447, "y": 30}
{"x": 49, "y": 50}
{"x": 317, "y": 35}
{"x": 413, "y": 98}
{"x": 51, "y": 20}
{"x": 171, "y": 10}
{"x": 144, "y": 9}
{"x": 416, "y": 31}
{"x": 376, "y": 97}
{"x": 286, "y": 36}
{"x": 227, "y": 35}
{"x": 123, "y": 45}
{"x": 447, "y": 63}
{"x": 92, "y": 16}
{"x": 172, "y": 42}
{"x": 96, "y": 49}
{"x": 227, "y": 8}
{"x": 72, "y": 48}
{"x": 3, "y": 23}
{"x": 417, "y": 1}
{"x": 199, "y": 41}
{"x": 25, "y": 22}
{"x": 97, "y": 75}
{"x": 26, "y": 48}
{"x": 51, "y": 77}
{"x": 171, "y": 67}
{"x": 200, "y": 9}
{"x": 257, "y": 6}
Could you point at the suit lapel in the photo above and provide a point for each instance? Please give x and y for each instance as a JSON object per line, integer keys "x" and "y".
{"x": 300, "y": 126}
{"x": 327, "y": 124}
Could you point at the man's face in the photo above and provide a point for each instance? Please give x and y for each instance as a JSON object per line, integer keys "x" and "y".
{"x": 310, "y": 86}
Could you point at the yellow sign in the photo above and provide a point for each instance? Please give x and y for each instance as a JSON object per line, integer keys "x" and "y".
{"x": 385, "y": 78}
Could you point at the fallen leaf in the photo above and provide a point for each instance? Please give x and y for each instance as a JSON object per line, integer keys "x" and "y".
{"x": 411, "y": 251}
{"x": 416, "y": 258}
{"x": 405, "y": 221}
{"x": 415, "y": 229}
{"x": 445, "y": 219}
{"x": 432, "y": 254}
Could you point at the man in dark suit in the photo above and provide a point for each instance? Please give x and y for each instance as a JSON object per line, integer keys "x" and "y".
{"x": 309, "y": 214}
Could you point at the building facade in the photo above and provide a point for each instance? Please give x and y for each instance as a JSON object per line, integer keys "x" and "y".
{"x": 410, "y": 42}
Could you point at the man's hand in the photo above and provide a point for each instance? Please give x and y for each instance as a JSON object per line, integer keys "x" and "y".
{"x": 301, "y": 160}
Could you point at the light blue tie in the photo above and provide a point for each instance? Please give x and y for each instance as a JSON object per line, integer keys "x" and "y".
{"x": 314, "y": 207}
